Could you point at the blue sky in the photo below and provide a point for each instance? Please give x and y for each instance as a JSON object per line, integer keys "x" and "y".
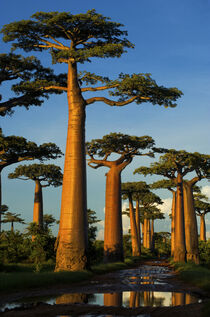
{"x": 171, "y": 42}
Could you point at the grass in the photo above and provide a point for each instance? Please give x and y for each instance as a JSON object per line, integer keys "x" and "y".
{"x": 194, "y": 274}
{"x": 23, "y": 276}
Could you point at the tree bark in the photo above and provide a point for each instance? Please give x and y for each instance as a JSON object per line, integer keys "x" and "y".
{"x": 134, "y": 236}
{"x": 191, "y": 230}
{"x": 72, "y": 243}
{"x": 179, "y": 245}
{"x": 145, "y": 233}
{"x": 152, "y": 235}
{"x": 148, "y": 235}
{"x": 202, "y": 228}
{"x": 173, "y": 209}
{"x": 38, "y": 204}
{"x": 113, "y": 238}
{"x": 138, "y": 224}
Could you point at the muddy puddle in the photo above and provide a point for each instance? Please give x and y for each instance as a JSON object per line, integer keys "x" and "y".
{"x": 147, "y": 285}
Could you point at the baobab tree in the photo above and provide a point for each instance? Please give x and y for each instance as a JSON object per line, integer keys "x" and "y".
{"x": 99, "y": 150}
{"x": 175, "y": 165}
{"x": 24, "y": 74}
{"x": 15, "y": 149}
{"x": 10, "y": 217}
{"x": 134, "y": 191}
{"x": 202, "y": 208}
{"x": 74, "y": 39}
{"x": 43, "y": 176}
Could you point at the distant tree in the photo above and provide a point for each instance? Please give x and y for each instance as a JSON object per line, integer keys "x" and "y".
{"x": 176, "y": 165}
{"x": 126, "y": 147}
{"x": 12, "y": 218}
{"x": 74, "y": 39}
{"x": 26, "y": 75}
{"x": 3, "y": 209}
{"x": 202, "y": 208}
{"x": 43, "y": 176}
{"x": 15, "y": 149}
{"x": 48, "y": 221}
{"x": 134, "y": 191}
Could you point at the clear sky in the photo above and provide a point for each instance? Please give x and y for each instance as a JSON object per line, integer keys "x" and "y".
{"x": 171, "y": 42}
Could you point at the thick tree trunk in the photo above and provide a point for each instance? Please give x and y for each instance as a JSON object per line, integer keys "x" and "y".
{"x": 191, "y": 230}
{"x": 148, "y": 235}
{"x": 145, "y": 233}
{"x": 0, "y": 201}
{"x": 113, "y": 238}
{"x": 152, "y": 235}
{"x": 134, "y": 235}
{"x": 138, "y": 224}
{"x": 72, "y": 242}
{"x": 38, "y": 204}
{"x": 179, "y": 246}
{"x": 173, "y": 209}
{"x": 202, "y": 228}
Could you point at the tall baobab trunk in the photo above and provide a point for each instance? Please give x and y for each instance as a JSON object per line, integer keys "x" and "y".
{"x": 138, "y": 224}
{"x": 145, "y": 232}
{"x": 202, "y": 227}
{"x": 72, "y": 242}
{"x": 173, "y": 209}
{"x": 148, "y": 235}
{"x": 113, "y": 239}
{"x": 135, "y": 241}
{"x": 152, "y": 235}
{"x": 179, "y": 245}
{"x": 191, "y": 230}
{"x": 38, "y": 204}
{"x": 0, "y": 200}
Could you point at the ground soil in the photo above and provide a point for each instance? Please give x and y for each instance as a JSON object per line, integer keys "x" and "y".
{"x": 109, "y": 283}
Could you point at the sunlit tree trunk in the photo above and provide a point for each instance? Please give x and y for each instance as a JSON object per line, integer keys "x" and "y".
{"x": 148, "y": 235}
{"x": 191, "y": 230}
{"x": 114, "y": 299}
{"x": 38, "y": 204}
{"x": 179, "y": 245}
{"x": 134, "y": 236}
{"x": 173, "y": 222}
{"x": 132, "y": 299}
{"x": 0, "y": 200}
{"x": 113, "y": 239}
{"x": 202, "y": 228}
{"x": 138, "y": 224}
{"x": 145, "y": 232}
{"x": 72, "y": 243}
{"x": 152, "y": 235}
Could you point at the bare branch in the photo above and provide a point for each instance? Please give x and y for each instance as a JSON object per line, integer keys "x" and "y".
{"x": 97, "y": 88}
{"x": 110, "y": 102}
{"x": 55, "y": 87}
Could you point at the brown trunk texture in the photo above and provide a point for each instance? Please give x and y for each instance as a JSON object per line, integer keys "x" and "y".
{"x": 113, "y": 237}
{"x": 134, "y": 236}
{"x": 38, "y": 204}
{"x": 191, "y": 230}
{"x": 202, "y": 228}
{"x": 148, "y": 235}
{"x": 114, "y": 299}
{"x": 138, "y": 224}
{"x": 145, "y": 233}
{"x": 173, "y": 222}
{"x": 152, "y": 235}
{"x": 72, "y": 243}
{"x": 179, "y": 246}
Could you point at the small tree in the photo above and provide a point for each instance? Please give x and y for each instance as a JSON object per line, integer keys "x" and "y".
{"x": 14, "y": 149}
{"x": 74, "y": 39}
{"x": 126, "y": 147}
{"x": 12, "y": 218}
{"x": 202, "y": 208}
{"x": 43, "y": 176}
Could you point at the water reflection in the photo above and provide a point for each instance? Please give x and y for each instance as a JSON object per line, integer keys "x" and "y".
{"x": 132, "y": 299}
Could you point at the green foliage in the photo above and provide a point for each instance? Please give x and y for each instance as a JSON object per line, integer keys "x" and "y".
{"x": 14, "y": 149}
{"x": 28, "y": 76}
{"x": 119, "y": 143}
{"x": 204, "y": 253}
{"x": 162, "y": 244}
{"x": 93, "y": 246}
{"x": 14, "y": 247}
{"x": 11, "y": 218}
{"x": 127, "y": 248}
{"x": 49, "y": 174}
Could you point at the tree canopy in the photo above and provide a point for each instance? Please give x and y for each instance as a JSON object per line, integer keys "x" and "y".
{"x": 26, "y": 75}
{"x": 49, "y": 174}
